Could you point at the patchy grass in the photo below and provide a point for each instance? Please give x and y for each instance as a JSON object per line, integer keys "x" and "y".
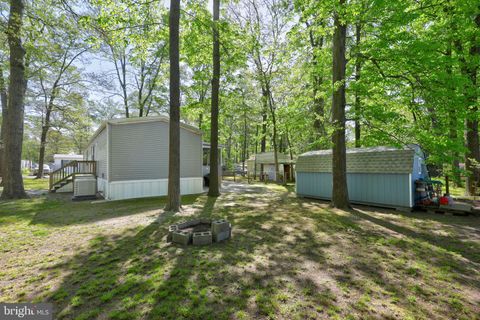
{"x": 289, "y": 258}
{"x": 31, "y": 183}
{"x": 454, "y": 190}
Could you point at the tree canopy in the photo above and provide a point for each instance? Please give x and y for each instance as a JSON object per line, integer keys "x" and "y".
{"x": 410, "y": 74}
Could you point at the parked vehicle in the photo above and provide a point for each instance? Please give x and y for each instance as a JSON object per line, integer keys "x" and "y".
{"x": 240, "y": 169}
{"x": 46, "y": 169}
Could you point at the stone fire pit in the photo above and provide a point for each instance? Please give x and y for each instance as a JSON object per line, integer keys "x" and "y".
{"x": 199, "y": 231}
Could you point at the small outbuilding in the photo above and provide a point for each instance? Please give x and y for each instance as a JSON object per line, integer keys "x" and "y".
{"x": 381, "y": 176}
{"x": 267, "y": 159}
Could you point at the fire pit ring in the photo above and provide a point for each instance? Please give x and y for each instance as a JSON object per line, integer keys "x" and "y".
{"x": 199, "y": 231}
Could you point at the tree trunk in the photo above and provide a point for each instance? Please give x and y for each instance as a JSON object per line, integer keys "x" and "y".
{"x": 453, "y": 125}
{"x": 4, "y": 102}
{"x": 173, "y": 198}
{"x": 124, "y": 85}
{"x": 141, "y": 101}
{"x": 43, "y": 138}
{"x": 229, "y": 149}
{"x": 236, "y": 152}
{"x": 245, "y": 135}
{"x": 472, "y": 156}
{"x": 289, "y": 145}
{"x": 121, "y": 72}
{"x": 45, "y": 128}
{"x": 339, "y": 159}
{"x": 13, "y": 185}
{"x": 358, "y": 68}
{"x": 256, "y": 151}
{"x": 263, "y": 142}
{"x": 274, "y": 137}
{"x": 275, "y": 147}
{"x": 214, "y": 187}
{"x": 43, "y": 143}
{"x": 200, "y": 121}
{"x": 291, "y": 155}
{"x": 318, "y": 100}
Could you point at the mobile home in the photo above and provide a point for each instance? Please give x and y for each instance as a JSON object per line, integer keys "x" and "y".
{"x": 131, "y": 158}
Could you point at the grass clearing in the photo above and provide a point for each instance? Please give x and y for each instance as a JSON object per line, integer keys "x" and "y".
{"x": 31, "y": 183}
{"x": 289, "y": 258}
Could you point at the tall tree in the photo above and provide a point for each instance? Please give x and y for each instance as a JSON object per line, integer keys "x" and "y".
{"x": 52, "y": 83}
{"x": 4, "y": 103}
{"x": 134, "y": 42}
{"x": 339, "y": 154}
{"x": 266, "y": 28}
{"x": 317, "y": 40}
{"x": 358, "y": 68}
{"x": 472, "y": 156}
{"x": 214, "y": 185}
{"x": 317, "y": 82}
{"x": 173, "y": 197}
{"x": 13, "y": 185}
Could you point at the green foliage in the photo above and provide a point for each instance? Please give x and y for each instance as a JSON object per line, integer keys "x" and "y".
{"x": 413, "y": 86}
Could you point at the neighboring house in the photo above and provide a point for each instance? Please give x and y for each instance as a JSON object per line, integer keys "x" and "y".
{"x": 59, "y": 160}
{"x": 380, "y": 176}
{"x": 285, "y": 165}
{"x": 131, "y": 158}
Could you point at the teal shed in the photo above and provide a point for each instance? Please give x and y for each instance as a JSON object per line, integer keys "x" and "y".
{"x": 382, "y": 176}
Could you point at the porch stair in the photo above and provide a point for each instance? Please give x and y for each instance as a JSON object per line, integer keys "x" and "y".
{"x": 67, "y": 173}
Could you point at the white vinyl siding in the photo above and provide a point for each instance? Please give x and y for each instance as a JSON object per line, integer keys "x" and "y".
{"x": 190, "y": 154}
{"x": 101, "y": 155}
{"x": 118, "y": 190}
{"x": 99, "y": 144}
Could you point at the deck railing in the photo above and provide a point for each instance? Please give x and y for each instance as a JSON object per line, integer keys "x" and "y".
{"x": 70, "y": 170}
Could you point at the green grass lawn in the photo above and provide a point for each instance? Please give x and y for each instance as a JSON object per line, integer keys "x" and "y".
{"x": 289, "y": 258}
{"x": 454, "y": 190}
{"x": 30, "y": 183}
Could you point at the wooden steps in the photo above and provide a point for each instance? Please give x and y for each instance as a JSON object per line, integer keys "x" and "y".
{"x": 66, "y": 174}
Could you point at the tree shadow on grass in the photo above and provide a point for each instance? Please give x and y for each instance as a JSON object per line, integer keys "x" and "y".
{"x": 242, "y": 276}
{"x": 287, "y": 258}
{"x": 468, "y": 225}
{"x": 208, "y": 206}
{"x": 421, "y": 272}
{"x": 67, "y": 212}
{"x": 137, "y": 275}
{"x": 470, "y": 250}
